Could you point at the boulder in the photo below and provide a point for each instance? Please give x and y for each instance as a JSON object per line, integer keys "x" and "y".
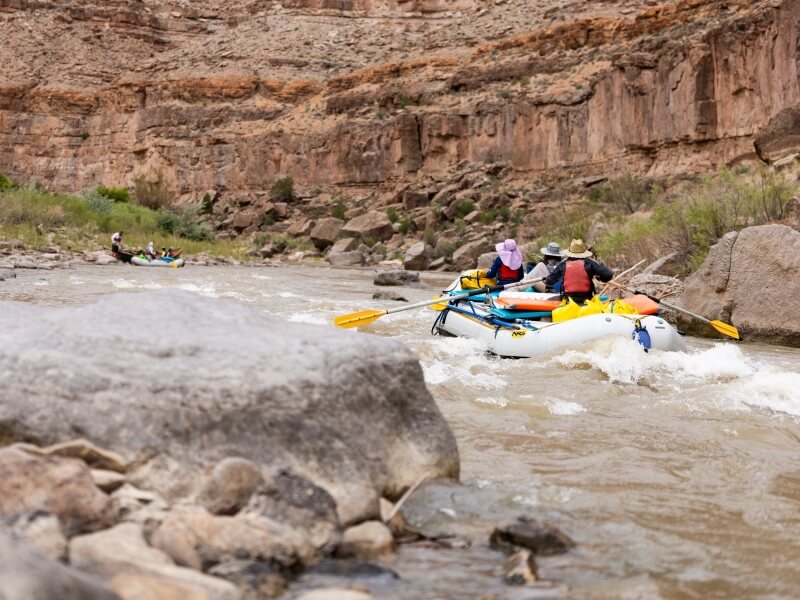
{"x": 418, "y": 257}
{"x": 7, "y": 274}
{"x": 230, "y": 486}
{"x": 520, "y": 568}
{"x": 353, "y": 258}
{"x": 62, "y": 486}
{"x": 395, "y": 277}
{"x": 486, "y": 260}
{"x": 373, "y": 224}
{"x": 668, "y": 265}
{"x": 197, "y": 539}
{"x": 135, "y": 570}
{"x": 28, "y": 574}
{"x": 416, "y": 199}
{"x": 325, "y": 232}
{"x": 780, "y": 136}
{"x": 255, "y": 580}
{"x": 351, "y": 412}
{"x": 389, "y": 295}
{"x": 751, "y": 280}
{"x": 366, "y": 540}
{"x": 344, "y": 245}
{"x": 244, "y": 219}
{"x": 302, "y": 227}
{"x": 466, "y": 257}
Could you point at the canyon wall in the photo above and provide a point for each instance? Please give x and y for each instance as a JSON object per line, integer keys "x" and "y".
{"x": 217, "y": 100}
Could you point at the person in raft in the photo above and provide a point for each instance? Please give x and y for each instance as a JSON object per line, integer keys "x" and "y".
{"x": 507, "y": 267}
{"x": 577, "y": 273}
{"x": 116, "y": 242}
{"x": 551, "y": 256}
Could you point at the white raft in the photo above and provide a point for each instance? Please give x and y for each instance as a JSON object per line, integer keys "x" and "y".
{"x": 143, "y": 262}
{"x": 528, "y": 338}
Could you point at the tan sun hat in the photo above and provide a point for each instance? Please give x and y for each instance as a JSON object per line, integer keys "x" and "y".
{"x": 578, "y": 249}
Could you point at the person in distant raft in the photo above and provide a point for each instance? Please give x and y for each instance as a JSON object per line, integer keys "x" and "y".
{"x": 551, "y": 256}
{"x": 116, "y": 242}
{"x": 507, "y": 267}
{"x": 577, "y": 273}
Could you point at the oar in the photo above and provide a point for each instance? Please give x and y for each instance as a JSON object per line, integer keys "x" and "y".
{"x": 620, "y": 276}
{"x": 723, "y": 328}
{"x": 365, "y": 317}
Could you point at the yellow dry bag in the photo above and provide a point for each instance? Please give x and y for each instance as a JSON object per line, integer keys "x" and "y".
{"x": 475, "y": 279}
{"x": 567, "y": 311}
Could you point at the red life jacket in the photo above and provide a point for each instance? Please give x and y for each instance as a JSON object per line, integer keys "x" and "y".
{"x": 576, "y": 279}
{"x": 507, "y": 273}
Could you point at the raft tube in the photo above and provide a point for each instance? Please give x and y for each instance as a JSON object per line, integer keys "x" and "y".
{"x": 143, "y": 262}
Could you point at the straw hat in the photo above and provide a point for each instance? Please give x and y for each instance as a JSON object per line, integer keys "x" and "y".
{"x": 552, "y": 249}
{"x": 578, "y": 249}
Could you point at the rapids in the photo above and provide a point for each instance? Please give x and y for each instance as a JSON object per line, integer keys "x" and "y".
{"x": 678, "y": 475}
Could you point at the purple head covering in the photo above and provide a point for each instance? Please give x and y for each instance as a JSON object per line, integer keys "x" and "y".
{"x": 509, "y": 254}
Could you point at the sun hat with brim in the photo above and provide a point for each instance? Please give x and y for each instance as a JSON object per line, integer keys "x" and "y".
{"x": 552, "y": 249}
{"x": 509, "y": 254}
{"x": 578, "y": 249}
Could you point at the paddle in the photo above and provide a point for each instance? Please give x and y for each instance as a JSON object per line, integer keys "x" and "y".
{"x": 723, "y": 328}
{"x": 365, "y": 317}
{"x": 620, "y": 276}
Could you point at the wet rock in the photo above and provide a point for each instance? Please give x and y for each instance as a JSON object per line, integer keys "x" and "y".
{"x": 197, "y": 539}
{"x": 438, "y": 264}
{"x": 335, "y": 594}
{"x": 395, "y": 277}
{"x": 255, "y": 580}
{"x": 367, "y": 540}
{"x": 542, "y": 538}
{"x": 325, "y": 232}
{"x": 389, "y": 295}
{"x": 230, "y": 485}
{"x": 28, "y": 574}
{"x": 520, "y": 568}
{"x": 62, "y": 486}
{"x": 353, "y": 258}
{"x": 352, "y": 410}
{"x": 40, "y": 529}
{"x": 293, "y": 500}
{"x": 268, "y": 250}
{"x": 372, "y": 224}
{"x": 466, "y": 257}
{"x": 418, "y": 257}
{"x": 352, "y": 569}
{"x": 135, "y": 570}
{"x": 7, "y": 274}
{"x": 750, "y": 280}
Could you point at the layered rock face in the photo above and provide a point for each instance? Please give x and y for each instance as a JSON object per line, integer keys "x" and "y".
{"x": 228, "y": 96}
{"x": 751, "y": 279}
{"x": 177, "y": 391}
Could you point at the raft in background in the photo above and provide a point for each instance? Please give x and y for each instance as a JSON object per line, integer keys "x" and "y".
{"x": 157, "y": 262}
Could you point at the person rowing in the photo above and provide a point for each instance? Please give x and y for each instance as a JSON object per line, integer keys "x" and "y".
{"x": 507, "y": 267}
{"x": 578, "y": 272}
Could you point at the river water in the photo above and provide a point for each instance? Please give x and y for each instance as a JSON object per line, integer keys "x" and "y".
{"x": 678, "y": 475}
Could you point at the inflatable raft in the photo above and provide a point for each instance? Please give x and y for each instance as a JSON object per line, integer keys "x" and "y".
{"x": 517, "y": 324}
{"x": 143, "y": 262}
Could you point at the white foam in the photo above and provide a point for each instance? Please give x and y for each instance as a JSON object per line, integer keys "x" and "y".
{"x": 771, "y": 389}
{"x": 562, "y": 408}
{"x": 125, "y": 284}
{"x": 207, "y": 289}
{"x": 288, "y": 295}
{"x": 313, "y": 318}
{"x": 261, "y": 277}
{"x": 500, "y": 401}
{"x": 42, "y": 282}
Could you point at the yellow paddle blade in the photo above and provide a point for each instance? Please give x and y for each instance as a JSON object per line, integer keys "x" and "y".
{"x": 725, "y": 329}
{"x": 357, "y": 319}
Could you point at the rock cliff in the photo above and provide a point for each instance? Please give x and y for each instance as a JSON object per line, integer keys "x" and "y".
{"x": 228, "y": 96}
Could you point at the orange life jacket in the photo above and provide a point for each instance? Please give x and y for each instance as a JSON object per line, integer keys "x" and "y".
{"x": 576, "y": 279}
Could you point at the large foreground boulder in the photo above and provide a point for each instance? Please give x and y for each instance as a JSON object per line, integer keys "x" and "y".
{"x": 176, "y": 390}
{"x": 750, "y": 279}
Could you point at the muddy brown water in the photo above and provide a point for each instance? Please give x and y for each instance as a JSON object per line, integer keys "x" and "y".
{"x": 678, "y": 475}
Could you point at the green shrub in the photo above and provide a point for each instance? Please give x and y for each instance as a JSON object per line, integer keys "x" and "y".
{"x": 504, "y": 94}
{"x": 404, "y": 102}
{"x": 488, "y": 217}
{"x": 339, "y": 209}
{"x": 504, "y": 212}
{"x": 369, "y": 241}
{"x": 391, "y": 213}
{"x": 97, "y": 202}
{"x": 381, "y": 114}
{"x": 429, "y": 236}
{"x": 524, "y": 81}
{"x": 168, "y": 222}
{"x": 206, "y": 204}
{"x": 282, "y": 190}
{"x": 6, "y": 183}
{"x": 405, "y": 225}
{"x": 464, "y": 207}
{"x": 116, "y": 194}
{"x": 152, "y": 192}
{"x": 460, "y": 226}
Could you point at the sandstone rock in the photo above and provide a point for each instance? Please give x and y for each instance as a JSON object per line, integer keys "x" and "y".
{"x": 255, "y": 580}
{"x": 268, "y": 250}
{"x": 416, "y": 199}
{"x": 146, "y": 509}
{"x": 668, "y": 265}
{"x": 372, "y": 224}
{"x": 389, "y": 295}
{"x": 395, "y": 277}
{"x": 230, "y": 485}
{"x": 301, "y": 227}
{"x": 135, "y": 570}
{"x": 197, "y": 539}
{"x": 40, "y": 529}
{"x": 438, "y": 264}
{"x": 781, "y": 134}
{"x": 26, "y": 262}
{"x": 542, "y": 538}
{"x": 335, "y": 594}
{"x": 367, "y": 540}
{"x": 353, "y": 258}
{"x": 466, "y": 256}
{"x": 351, "y": 411}
{"x": 293, "y": 500}
{"x": 520, "y": 568}
{"x": 751, "y": 280}
{"x": 27, "y": 574}
{"x": 62, "y": 486}
{"x": 656, "y": 285}
{"x": 344, "y": 245}
{"x": 325, "y": 232}
{"x": 486, "y": 259}
{"x": 108, "y": 481}
{"x": 89, "y": 453}
{"x": 244, "y": 219}
{"x": 418, "y": 257}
